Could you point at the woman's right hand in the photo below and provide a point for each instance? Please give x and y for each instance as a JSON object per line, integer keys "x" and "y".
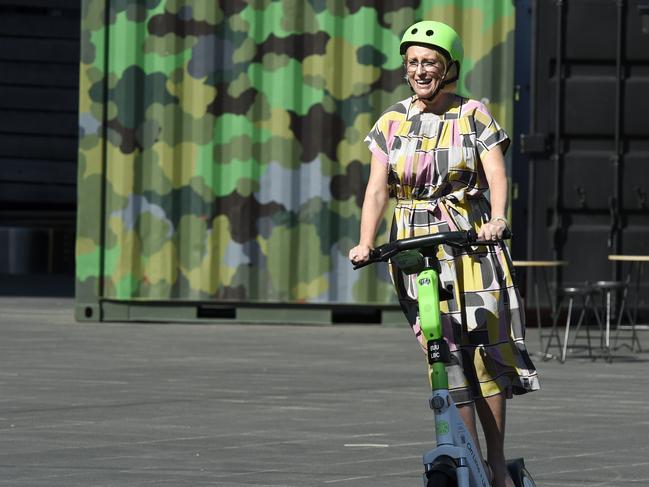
{"x": 359, "y": 254}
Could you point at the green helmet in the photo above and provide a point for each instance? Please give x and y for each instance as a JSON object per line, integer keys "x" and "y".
{"x": 434, "y": 34}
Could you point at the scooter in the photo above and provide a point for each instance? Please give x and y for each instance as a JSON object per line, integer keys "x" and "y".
{"x": 455, "y": 461}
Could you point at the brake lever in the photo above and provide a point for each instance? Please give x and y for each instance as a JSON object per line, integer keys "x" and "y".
{"x": 486, "y": 243}
{"x": 458, "y": 245}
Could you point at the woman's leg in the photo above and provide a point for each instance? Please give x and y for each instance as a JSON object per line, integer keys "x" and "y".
{"x": 491, "y": 411}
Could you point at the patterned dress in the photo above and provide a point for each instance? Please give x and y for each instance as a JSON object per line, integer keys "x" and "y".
{"x": 435, "y": 173}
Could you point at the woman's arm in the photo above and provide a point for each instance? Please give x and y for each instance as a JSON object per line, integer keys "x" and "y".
{"x": 493, "y": 163}
{"x": 374, "y": 204}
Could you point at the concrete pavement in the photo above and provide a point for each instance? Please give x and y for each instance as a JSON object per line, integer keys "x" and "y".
{"x": 259, "y": 405}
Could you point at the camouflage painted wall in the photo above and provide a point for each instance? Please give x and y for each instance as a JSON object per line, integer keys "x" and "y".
{"x": 221, "y": 143}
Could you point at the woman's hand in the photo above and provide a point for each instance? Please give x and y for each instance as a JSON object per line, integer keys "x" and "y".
{"x": 359, "y": 254}
{"x": 493, "y": 229}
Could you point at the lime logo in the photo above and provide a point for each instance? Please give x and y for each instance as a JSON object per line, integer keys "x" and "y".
{"x": 442, "y": 428}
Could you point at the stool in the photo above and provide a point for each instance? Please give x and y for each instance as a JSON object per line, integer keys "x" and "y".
{"x": 636, "y": 262}
{"x": 607, "y": 288}
{"x": 586, "y": 294}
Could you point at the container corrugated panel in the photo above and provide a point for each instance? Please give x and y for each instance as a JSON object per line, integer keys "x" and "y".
{"x": 221, "y": 145}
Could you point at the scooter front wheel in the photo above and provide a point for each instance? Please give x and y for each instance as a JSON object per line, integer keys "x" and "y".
{"x": 440, "y": 479}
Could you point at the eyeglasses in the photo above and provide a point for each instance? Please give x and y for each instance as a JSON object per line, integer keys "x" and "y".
{"x": 429, "y": 66}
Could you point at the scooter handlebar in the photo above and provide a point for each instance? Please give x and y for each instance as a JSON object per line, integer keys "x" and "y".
{"x": 461, "y": 238}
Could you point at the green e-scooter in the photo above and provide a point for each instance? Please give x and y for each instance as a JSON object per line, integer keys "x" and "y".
{"x": 455, "y": 461}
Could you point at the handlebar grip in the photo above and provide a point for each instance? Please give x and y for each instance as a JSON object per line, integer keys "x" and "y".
{"x": 507, "y": 234}
{"x": 375, "y": 255}
{"x": 361, "y": 264}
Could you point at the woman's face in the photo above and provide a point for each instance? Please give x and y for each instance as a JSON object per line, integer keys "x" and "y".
{"x": 425, "y": 68}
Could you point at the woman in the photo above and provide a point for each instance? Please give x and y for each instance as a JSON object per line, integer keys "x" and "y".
{"x": 438, "y": 153}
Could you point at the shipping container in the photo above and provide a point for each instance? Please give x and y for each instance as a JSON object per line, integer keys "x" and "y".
{"x": 221, "y": 156}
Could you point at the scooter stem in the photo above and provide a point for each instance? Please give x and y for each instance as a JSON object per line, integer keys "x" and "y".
{"x": 431, "y": 324}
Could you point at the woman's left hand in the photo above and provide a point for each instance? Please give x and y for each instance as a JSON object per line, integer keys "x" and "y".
{"x": 492, "y": 230}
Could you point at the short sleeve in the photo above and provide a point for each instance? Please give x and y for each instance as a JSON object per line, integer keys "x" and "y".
{"x": 377, "y": 140}
{"x": 380, "y": 138}
{"x": 489, "y": 133}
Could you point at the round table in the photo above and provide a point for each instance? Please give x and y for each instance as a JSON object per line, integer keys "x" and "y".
{"x": 539, "y": 263}
{"x": 542, "y": 265}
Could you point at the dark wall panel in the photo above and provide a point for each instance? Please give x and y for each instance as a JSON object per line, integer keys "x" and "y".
{"x": 589, "y": 164}
{"x": 52, "y": 148}
{"x": 32, "y": 74}
{"x": 38, "y": 99}
{"x": 39, "y": 82}
{"x": 591, "y": 106}
{"x": 636, "y": 184}
{"x": 27, "y": 122}
{"x": 39, "y": 49}
{"x": 636, "y": 105}
{"x": 587, "y": 193}
{"x": 32, "y": 170}
{"x": 35, "y": 25}
{"x": 588, "y": 32}
{"x": 586, "y": 249}
{"x": 55, "y": 6}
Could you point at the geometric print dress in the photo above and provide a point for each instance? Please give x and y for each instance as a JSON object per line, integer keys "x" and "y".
{"x": 435, "y": 174}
